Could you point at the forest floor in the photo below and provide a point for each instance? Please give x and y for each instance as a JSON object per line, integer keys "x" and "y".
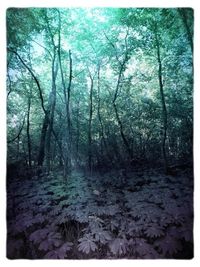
{"x": 142, "y": 215}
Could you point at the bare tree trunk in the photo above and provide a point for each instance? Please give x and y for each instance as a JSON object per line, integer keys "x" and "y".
{"x": 19, "y": 132}
{"x": 41, "y": 153}
{"x": 125, "y": 141}
{"x": 122, "y": 64}
{"x": 46, "y": 112}
{"x": 45, "y": 125}
{"x": 101, "y": 131}
{"x": 52, "y": 103}
{"x": 68, "y": 112}
{"x": 183, "y": 15}
{"x": 77, "y": 132}
{"x": 18, "y": 147}
{"x": 33, "y": 76}
{"x": 28, "y": 130}
{"x": 90, "y": 123}
{"x": 164, "y": 109}
{"x": 67, "y": 94}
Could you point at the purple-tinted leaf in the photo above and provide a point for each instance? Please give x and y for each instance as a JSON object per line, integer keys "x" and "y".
{"x": 54, "y": 235}
{"x": 59, "y": 253}
{"x": 63, "y": 250}
{"x": 45, "y": 245}
{"x": 87, "y": 244}
{"x": 142, "y": 249}
{"x": 39, "y": 218}
{"x": 165, "y": 219}
{"x": 114, "y": 224}
{"x": 95, "y": 223}
{"x": 135, "y": 228}
{"x": 187, "y": 235}
{"x": 39, "y": 235}
{"x": 118, "y": 246}
{"x": 53, "y": 254}
{"x": 52, "y": 240}
{"x": 66, "y": 246}
{"x": 102, "y": 236}
{"x": 154, "y": 231}
{"x": 55, "y": 211}
{"x": 174, "y": 232}
{"x": 141, "y": 246}
{"x": 185, "y": 232}
{"x": 169, "y": 245}
{"x": 111, "y": 210}
{"x": 56, "y": 242}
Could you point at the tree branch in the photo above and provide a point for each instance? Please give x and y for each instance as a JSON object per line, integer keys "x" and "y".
{"x": 33, "y": 75}
{"x": 20, "y": 130}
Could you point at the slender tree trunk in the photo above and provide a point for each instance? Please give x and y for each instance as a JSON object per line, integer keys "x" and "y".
{"x": 69, "y": 113}
{"x": 46, "y": 112}
{"x": 18, "y": 147}
{"x": 28, "y": 131}
{"x": 52, "y": 103}
{"x": 125, "y": 141}
{"x": 183, "y": 15}
{"x": 90, "y": 124}
{"x": 33, "y": 76}
{"x": 65, "y": 154}
{"x": 19, "y": 132}
{"x": 101, "y": 131}
{"x": 45, "y": 125}
{"x": 164, "y": 109}
{"x": 78, "y": 132}
{"x": 67, "y": 94}
{"x": 9, "y": 84}
{"x": 41, "y": 153}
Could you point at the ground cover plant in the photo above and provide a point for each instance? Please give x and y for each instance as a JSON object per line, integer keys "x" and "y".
{"x": 87, "y": 219}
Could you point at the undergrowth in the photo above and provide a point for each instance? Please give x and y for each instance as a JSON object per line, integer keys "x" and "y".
{"x": 144, "y": 216}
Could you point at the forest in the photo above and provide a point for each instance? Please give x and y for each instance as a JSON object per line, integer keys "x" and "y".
{"x": 99, "y": 133}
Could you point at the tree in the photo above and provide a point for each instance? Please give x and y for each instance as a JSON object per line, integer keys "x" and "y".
{"x": 164, "y": 109}
{"x": 110, "y": 91}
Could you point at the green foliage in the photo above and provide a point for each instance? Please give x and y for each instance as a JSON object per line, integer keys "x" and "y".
{"x": 99, "y": 40}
